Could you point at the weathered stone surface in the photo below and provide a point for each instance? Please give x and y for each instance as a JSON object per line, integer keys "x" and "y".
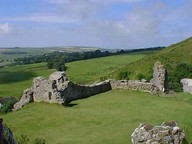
{"x": 160, "y": 77}
{"x": 187, "y": 85}
{"x": 74, "y": 91}
{"x": 134, "y": 85}
{"x": 26, "y": 98}
{"x": 57, "y": 89}
{"x": 167, "y": 133}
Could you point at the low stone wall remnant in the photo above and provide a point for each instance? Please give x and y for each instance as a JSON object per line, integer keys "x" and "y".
{"x": 58, "y": 89}
{"x": 134, "y": 85}
{"x": 167, "y": 133}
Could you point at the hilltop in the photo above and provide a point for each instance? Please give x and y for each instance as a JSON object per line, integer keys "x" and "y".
{"x": 173, "y": 57}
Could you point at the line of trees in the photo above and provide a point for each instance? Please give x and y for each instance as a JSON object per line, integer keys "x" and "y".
{"x": 57, "y": 60}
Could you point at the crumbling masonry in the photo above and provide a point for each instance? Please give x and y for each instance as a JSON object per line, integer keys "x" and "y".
{"x": 58, "y": 89}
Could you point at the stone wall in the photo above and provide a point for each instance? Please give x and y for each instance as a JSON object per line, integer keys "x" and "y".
{"x": 57, "y": 89}
{"x": 74, "y": 91}
{"x": 134, "y": 85}
{"x": 187, "y": 85}
{"x": 167, "y": 133}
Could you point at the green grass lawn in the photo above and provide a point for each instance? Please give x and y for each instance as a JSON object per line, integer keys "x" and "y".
{"x": 107, "y": 118}
{"x": 13, "y": 80}
{"x": 89, "y": 71}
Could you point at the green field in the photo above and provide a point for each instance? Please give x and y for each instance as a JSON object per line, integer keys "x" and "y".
{"x": 13, "y": 80}
{"x": 9, "y": 54}
{"x": 89, "y": 71}
{"x": 107, "y": 118}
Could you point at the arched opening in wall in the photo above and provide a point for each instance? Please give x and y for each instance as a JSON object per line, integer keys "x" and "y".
{"x": 49, "y": 95}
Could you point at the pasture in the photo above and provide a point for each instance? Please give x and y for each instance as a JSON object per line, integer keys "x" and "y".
{"x": 107, "y": 118}
{"x": 14, "y": 79}
{"x": 90, "y": 71}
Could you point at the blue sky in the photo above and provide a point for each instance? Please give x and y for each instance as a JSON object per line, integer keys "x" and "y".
{"x": 123, "y": 24}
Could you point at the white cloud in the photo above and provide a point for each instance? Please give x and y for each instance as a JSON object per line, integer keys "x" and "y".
{"x": 145, "y": 24}
{"x": 95, "y": 1}
{"x": 85, "y": 9}
{"x": 42, "y": 18}
{"x": 5, "y": 28}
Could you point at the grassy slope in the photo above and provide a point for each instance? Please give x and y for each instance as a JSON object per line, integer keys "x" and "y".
{"x": 13, "y": 80}
{"x": 171, "y": 56}
{"x": 89, "y": 71}
{"x": 107, "y": 118}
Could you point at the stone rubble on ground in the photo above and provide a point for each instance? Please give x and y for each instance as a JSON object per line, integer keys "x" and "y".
{"x": 167, "y": 133}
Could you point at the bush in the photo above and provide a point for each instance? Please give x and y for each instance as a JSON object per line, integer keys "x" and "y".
{"x": 181, "y": 71}
{"x": 123, "y": 75}
{"x": 7, "y": 107}
{"x": 140, "y": 76}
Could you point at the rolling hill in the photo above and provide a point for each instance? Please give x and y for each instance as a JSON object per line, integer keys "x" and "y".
{"x": 171, "y": 57}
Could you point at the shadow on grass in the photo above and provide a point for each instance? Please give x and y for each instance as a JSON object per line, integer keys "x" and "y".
{"x": 17, "y": 76}
{"x": 70, "y": 105}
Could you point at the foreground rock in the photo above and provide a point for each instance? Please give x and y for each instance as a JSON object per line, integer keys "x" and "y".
{"x": 167, "y": 133}
{"x": 187, "y": 85}
{"x": 160, "y": 77}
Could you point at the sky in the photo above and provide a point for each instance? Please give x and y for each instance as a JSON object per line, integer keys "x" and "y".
{"x": 112, "y": 24}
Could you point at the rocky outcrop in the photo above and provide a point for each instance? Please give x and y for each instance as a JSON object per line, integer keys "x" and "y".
{"x": 187, "y": 85}
{"x": 134, "y": 85}
{"x": 160, "y": 77}
{"x": 167, "y": 133}
{"x": 57, "y": 89}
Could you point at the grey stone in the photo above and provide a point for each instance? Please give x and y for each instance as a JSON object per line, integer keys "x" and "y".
{"x": 57, "y": 89}
{"x": 167, "y": 133}
{"x": 187, "y": 85}
{"x": 26, "y": 98}
{"x": 160, "y": 77}
{"x": 133, "y": 85}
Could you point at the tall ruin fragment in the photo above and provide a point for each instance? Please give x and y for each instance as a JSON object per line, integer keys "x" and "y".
{"x": 160, "y": 77}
